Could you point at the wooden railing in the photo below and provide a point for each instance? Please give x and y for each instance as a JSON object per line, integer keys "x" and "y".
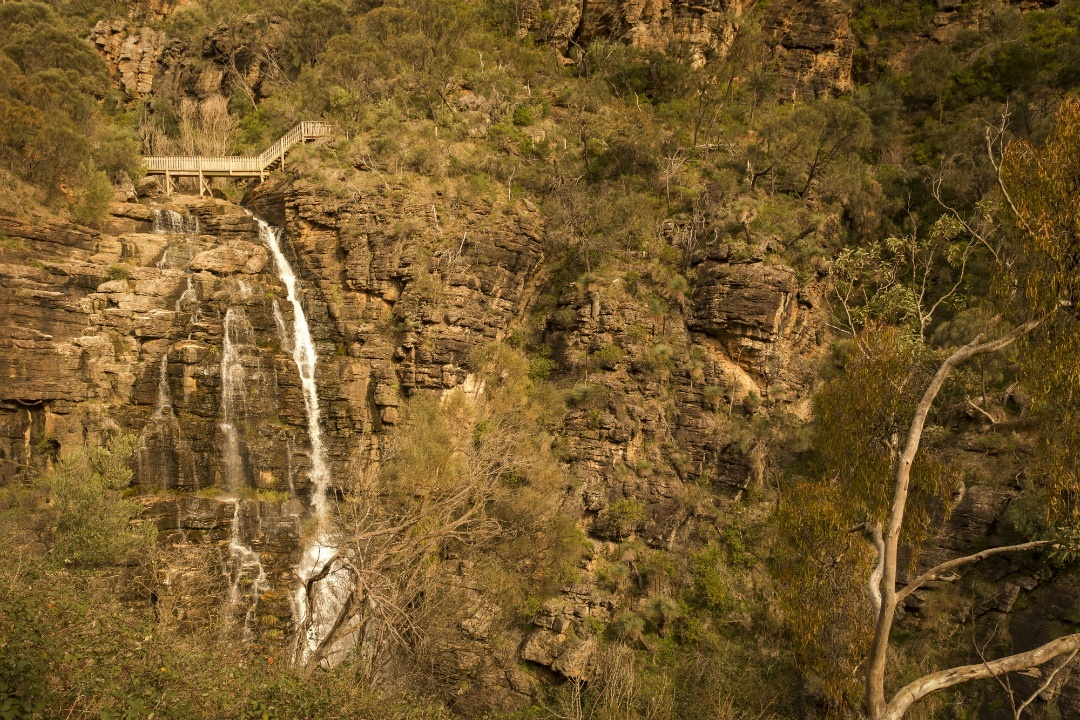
{"x": 214, "y": 166}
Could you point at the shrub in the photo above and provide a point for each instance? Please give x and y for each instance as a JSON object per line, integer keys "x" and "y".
{"x": 661, "y": 611}
{"x": 627, "y": 625}
{"x": 623, "y": 517}
{"x": 540, "y": 368}
{"x": 92, "y": 198}
{"x": 710, "y": 587}
{"x": 522, "y": 116}
{"x": 89, "y": 521}
{"x": 588, "y": 395}
{"x": 609, "y": 356}
{"x": 713, "y": 396}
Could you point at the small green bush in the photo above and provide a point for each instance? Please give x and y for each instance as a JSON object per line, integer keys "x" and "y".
{"x": 522, "y": 116}
{"x": 588, "y": 395}
{"x": 540, "y": 368}
{"x": 623, "y": 517}
{"x": 609, "y": 356}
{"x": 92, "y": 198}
{"x": 89, "y": 521}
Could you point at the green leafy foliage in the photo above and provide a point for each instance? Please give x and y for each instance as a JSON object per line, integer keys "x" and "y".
{"x": 78, "y": 507}
{"x": 68, "y": 643}
{"x": 56, "y": 129}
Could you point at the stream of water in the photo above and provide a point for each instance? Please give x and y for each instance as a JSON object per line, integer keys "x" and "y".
{"x": 246, "y": 574}
{"x": 232, "y": 396}
{"x": 177, "y": 255}
{"x": 305, "y": 357}
{"x": 327, "y": 595}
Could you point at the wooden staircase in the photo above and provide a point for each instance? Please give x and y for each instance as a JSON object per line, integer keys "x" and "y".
{"x": 202, "y": 167}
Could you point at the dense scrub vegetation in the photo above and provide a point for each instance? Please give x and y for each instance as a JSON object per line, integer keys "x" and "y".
{"x": 64, "y": 130}
{"x": 637, "y": 160}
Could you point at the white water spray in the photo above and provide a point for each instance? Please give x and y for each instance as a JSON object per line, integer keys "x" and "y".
{"x": 158, "y": 456}
{"x": 244, "y": 563}
{"x": 232, "y": 396}
{"x": 303, "y": 352}
{"x": 164, "y": 395}
{"x": 170, "y": 221}
{"x": 327, "y": 595}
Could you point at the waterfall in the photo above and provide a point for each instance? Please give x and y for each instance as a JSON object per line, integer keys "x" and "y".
{"x": 329, "y": 594}
{"x": 232, "y": 396}
{"x": 243, "y": 563}
{"x": 158, "y": 453}
{"x": 170, "y": 222}
{"x": 303, "y": 352}
{"x": 164, "y": 395}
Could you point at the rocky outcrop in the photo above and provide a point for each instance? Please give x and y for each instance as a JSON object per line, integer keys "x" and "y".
{"x": 706, "y": 28}
{"x": 812, "y": 42}
{"x": 143, "y": 60}
{"x": 132, "y": 54}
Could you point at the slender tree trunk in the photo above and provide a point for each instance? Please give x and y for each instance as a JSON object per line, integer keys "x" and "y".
{"x": 876, "y": 705}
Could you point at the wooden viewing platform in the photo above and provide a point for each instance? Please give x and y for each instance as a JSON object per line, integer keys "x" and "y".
{"x": 203, "y": 167}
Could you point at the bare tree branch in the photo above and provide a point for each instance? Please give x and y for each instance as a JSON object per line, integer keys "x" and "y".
{"x": 1050, "y": 678}
{"x": 932, "y": 683}
{"x": 938, "y": 570}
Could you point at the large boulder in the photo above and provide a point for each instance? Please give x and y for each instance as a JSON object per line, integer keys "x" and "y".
{"x": 235, "y": 256}
{"x": 746, "y": 300}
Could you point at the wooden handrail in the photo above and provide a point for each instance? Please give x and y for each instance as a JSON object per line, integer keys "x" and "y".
{"x": 233, "y": 164}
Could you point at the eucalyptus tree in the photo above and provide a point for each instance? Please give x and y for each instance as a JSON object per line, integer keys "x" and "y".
{"x": 880, "y": 481}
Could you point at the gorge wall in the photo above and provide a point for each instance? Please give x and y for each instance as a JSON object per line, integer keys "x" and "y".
{"x": 171, "y": 322}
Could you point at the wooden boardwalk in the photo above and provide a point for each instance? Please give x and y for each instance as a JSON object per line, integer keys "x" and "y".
{"x": 202, "y": 167}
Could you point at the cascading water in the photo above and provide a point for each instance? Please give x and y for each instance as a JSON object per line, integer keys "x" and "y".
{"x": 158, "y": 454}
{"x": 246, "y": 574}
{"x": 232, "y": 396}
{"x": 170, "y": 222}
{"x": 243, "y": 565}
{"x": 189, "y": 303}
{"x": 328, "y": 595}
{"x": 305, "y": 357}
{"x": 164, "y": 398}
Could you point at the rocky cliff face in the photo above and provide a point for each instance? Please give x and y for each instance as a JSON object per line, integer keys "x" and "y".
{"x": 132, "y": 54}
{"x": 812, "y": 43}
{"x": 172, "y": 323}
{"x": 174, "y": 314}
